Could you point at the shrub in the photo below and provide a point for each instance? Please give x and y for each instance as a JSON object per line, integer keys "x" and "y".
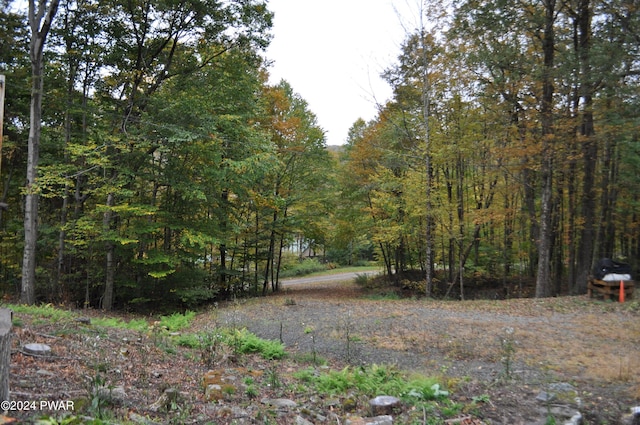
{"x": 304, "y": 267}
{"x": 362, "y": 279}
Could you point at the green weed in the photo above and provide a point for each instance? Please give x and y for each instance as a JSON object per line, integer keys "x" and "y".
{"x": 47, "y": 311}
{"x": 244, "y": 342}
{"x": 374, "y": 380}
{"x": 177, "y": 321}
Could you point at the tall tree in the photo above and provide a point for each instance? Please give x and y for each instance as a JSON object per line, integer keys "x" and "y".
{"x": 41, "y": 17}
{"x": 150, "y": 37}
{"x": 299, "y": 143}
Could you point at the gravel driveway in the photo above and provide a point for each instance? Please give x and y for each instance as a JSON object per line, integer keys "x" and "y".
{"x": 523, "y": 344}
{"x": 461, "y": 338}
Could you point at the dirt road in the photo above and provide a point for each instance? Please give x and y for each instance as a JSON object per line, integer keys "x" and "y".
{"x": 326, "y": 278}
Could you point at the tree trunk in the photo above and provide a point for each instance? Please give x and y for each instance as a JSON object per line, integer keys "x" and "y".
{"x": 5, "y": 352}
{"x": 39, "y": 31}
{"x": 589, "y": 148}
{"x": 107, "y": 299}
{"x": 543, "y": 278}
{"x": 270, "y": 253}
{"x": 429, "y": 234}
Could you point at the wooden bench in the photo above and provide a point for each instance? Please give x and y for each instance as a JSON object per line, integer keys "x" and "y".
{"x": 609, "y": 290}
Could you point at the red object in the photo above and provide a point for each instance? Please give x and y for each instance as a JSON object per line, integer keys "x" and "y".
{"x": 621, "y": 291}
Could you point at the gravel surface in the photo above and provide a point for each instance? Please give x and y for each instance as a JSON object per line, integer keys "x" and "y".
{"x": 532, "y": 342}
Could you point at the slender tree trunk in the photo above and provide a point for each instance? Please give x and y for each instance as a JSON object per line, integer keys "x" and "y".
{"x": 426, "y": 100}
{"x": 39, "y": 31}
{"x": 110, "y": 272}
{"x": 270, "y": 253}
{"x": 605, "y": 237}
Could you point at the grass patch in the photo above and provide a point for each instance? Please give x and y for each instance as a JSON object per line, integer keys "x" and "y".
{"x": 47, "y": 311}
{"x": 139, "y": 325}
{"x": 385, "y": 296}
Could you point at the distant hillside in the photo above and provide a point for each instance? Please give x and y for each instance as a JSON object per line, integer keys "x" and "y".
{"x": 335, "y": 149}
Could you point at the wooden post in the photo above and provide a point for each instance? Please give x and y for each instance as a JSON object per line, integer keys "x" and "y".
{"x": 3, "y": 206}
{"x": 1, "y": 117}
{"x": 5, "y": 352}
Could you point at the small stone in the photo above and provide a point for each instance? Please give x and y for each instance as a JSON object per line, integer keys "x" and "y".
{"x": 384, "y": 405}
{"x": 561, "y": 387}
{"x": 43, "y": 372}
{"x": 545, "y": 397}
{"x": 239, "y": 413}
{"x": 302, "y": 421}
{"x": 575, "y": 420}
{"x": 378, "y": 420}
{"x": 115, "y": 395}
{"x": 280, "y": 402}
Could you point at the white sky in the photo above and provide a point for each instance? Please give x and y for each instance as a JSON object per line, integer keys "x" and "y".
{"x": 332, "y": 53}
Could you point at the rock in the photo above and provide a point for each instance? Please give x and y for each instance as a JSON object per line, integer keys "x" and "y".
{"x": 280, "y": 402}
{"x": 378, "y": 420}
{"x": 575, "y": 420}
{"x": 561, "y": 387}
{"x": 43, "y": 372}
{"x": 113, "y": 395}
{"x": 545, "y": 397}
{"x": 36, "y": 349}
{"x": 83, "y": 320}
{"x": 384, "y": 405}
{"x": 302, "y": 421}
{"x": 239, "y": 413}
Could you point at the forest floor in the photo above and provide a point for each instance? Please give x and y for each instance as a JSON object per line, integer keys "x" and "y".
{"x": 499, "y": 360}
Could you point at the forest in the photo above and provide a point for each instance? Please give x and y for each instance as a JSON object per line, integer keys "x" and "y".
{"x": 147, "y": 163}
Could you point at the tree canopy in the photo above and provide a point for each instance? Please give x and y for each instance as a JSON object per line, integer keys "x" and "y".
{"x": 170, "y": 173}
